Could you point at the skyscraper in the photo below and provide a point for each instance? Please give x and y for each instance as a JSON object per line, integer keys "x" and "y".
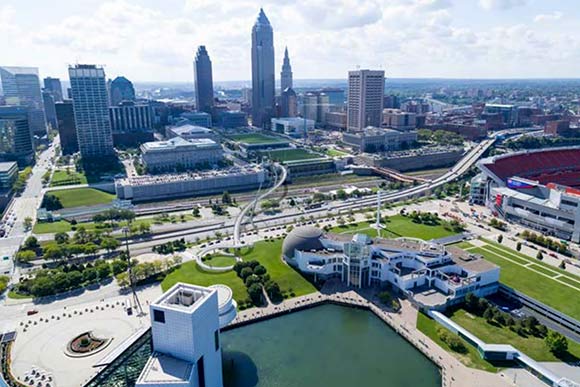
{"x": 21, "y": 87}
{"x": 50, "y": 113}
{"x": 91, "y": 110}
{"x": 121, "y": 89}
{"x": 366, "y": 89}
{"x": 15, "y": 135}
{"x": 203, "y": 80}
{"x": 67, "y": 130}
{"x": 263, "y": 79}
{"x": 286, "y": 73}
{"x": 288, "y": 103}
{"x": 53, "y": 86}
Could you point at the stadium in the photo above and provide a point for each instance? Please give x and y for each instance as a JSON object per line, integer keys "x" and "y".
{"x": 539, "y": 189}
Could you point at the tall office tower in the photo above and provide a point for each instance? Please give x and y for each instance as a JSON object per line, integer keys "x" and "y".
{"x": 67, "y": 129}
{"x": 91, "y": 109}
{"x": 263, "y": 79}
{"x": 286, "y": 74}
{"x": 15, "y": 135}
{"x": 54, "y": 87}
{"x": 366, "y": 89}
{"x": 131, "y": 123}
{"x": 121, "y": 89}
{"x": 203, "y": 80}
{"x": 48, "y": 101}
{"x": 21, "y": 87}
{"x": 288, "y": 103}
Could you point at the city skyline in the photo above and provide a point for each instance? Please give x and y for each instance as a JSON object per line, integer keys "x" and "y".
{"x": 408, "y": 39}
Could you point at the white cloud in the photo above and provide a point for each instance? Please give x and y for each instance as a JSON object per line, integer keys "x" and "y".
{"x": 501, "y": 4}
{"x": 545, "y": 17}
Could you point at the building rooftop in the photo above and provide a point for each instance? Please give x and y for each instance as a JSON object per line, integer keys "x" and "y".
{"x": 184, "y": 297}
{"x": 176, "y": 177}
{"x": 7, "y": 166}
{"x": 165, "y": 369}
{"x": 176, "y": 143}
{"x": 190, "y": 129}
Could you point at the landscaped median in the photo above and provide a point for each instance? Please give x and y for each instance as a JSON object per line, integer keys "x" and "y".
{"x": 545, "y": 283}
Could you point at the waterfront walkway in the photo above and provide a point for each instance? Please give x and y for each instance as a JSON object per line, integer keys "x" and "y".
{"x": 453, "y": 372}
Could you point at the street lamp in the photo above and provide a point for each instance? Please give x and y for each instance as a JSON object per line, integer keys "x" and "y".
{"x": 130, "y": 272}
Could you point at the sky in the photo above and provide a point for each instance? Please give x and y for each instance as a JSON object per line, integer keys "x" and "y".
{"x": 151, "y": 40}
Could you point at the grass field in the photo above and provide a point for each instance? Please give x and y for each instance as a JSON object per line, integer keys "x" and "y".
{"x": 256, "y": 138}
{"x": 52, "y": 227}
{"x": 291, "y": 155}
{"x": 267, "y": 253}
{"x": 78, "y": 197}
{"x": 534, "y": 347}
{"x": 219, "y": 260}
{"x": 534, "y": 278}
{"x": 398, "y": 226}
{"x": 335, "y": 153}
{"x": 471, "y": 359}
{"x": 60, "y": 178}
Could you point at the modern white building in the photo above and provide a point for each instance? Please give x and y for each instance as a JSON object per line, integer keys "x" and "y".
{"x": 185, "y": 331}
{"x": 366, "y": 89}
{"x": 179, "y": 154}
{"x": 432, "y": 275}
{"x": 292, "y": 126}
{"x": 373, "y": 139}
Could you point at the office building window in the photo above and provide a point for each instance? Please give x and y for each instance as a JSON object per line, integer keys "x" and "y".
{"x": 159, "y": 316}
{"x": 216, "y": 339}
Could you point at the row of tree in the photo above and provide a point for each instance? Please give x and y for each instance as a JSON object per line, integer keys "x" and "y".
{"x": 170, "y": 247}
{"x": 46, "y": 282}
{"x": 546, "y": 242}
{"x": 145, "y": 270}
{"x": 498, "y": 224}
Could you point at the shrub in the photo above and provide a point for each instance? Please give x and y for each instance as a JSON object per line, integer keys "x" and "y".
{"x": 556, "y": 342}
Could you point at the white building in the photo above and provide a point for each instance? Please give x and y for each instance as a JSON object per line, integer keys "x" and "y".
{"x": 185, "y": 324}
{"x": 432, "y": 275}
{"x": 292, "y": 126}
{"x": 178, "y": 153}
{"x": 189, "y": 132}
{"x": 157, "y": 187}
{"x": 366, "y": 89}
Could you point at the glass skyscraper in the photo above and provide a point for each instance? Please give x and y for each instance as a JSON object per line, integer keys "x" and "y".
{"x": 54, "y": 86}
{"x": 91, "y": 110}
{"x": 263, "y": 79}
{"x": 21, "y": 87}
{"x": 121, "y": 89}
{"x": 203, "y": 80}
{"x": 15, "y": 135}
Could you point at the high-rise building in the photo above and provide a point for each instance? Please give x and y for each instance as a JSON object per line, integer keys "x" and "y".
{"x": 366, "y": 89}
{"x": 54, "y": 86}
{"x": 15, "y": 135}
{"x": 48, "y": 101}
{"x": 91, "y": 110}
{"x": 21, "y": 87}
{"x": 315, "y": 106}
{"x": 67, "y": 130}
{"x": 131, "y": 123}
{"x": 263, "y": 78}
{"x": 121, "y": 89}
{"x": 288, "y": 103}
{"x": 203, "y": 80}
{"x": 286, "y": 74}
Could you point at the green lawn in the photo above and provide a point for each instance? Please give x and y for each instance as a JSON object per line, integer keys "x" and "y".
{"x": 471, "y": 359}
{"x": 534, "y": 347}
{"x": 538, "y": 286}
{"x": 220, "y": 260}
{"x": 60, "y": 178}
{"x": 267, "y": 253}
{"x": 52, "y": 227}
{"x": 191, "y": 273}
{"x": 335, "y": 153}
{"x": 398, "y": 226}
{"x": 256, "y": 138}
{"x": 291, "y": 155}
{"x": 78, "y": 197}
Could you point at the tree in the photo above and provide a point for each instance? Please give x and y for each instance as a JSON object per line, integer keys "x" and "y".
{"x": 246, "y": 272}
{"x": 61, "y": 238}
{"x": 259, "y": 270}
{"x": 118, "y": 266}
{"x": 31, "y": 243}
{"x": 90, "y": 248}
{"x": 51, "y": 202}
{"x": 195, "y": 212}
{"x": 341, "y": 194}
{"x": 499, "y": 238}
{"x": 540, "y": 256}
{"x": 273, "y": 291}
{"x": 255, "y": 292}
{"x": 562, "y": 265}
{"x": 25, "y": 256}
{"x": 28, "y": 223}
{"x": 519, "y": 246}
{"x": 226, "y": 198}
{"x": 556, "y": 342}
{"x": 488, "y": 315}
{"x": 110, "y": 244}
{"x": 53, "y": 252}
{"x": 104, "y": 271}
{"x": 90, "y": 274}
